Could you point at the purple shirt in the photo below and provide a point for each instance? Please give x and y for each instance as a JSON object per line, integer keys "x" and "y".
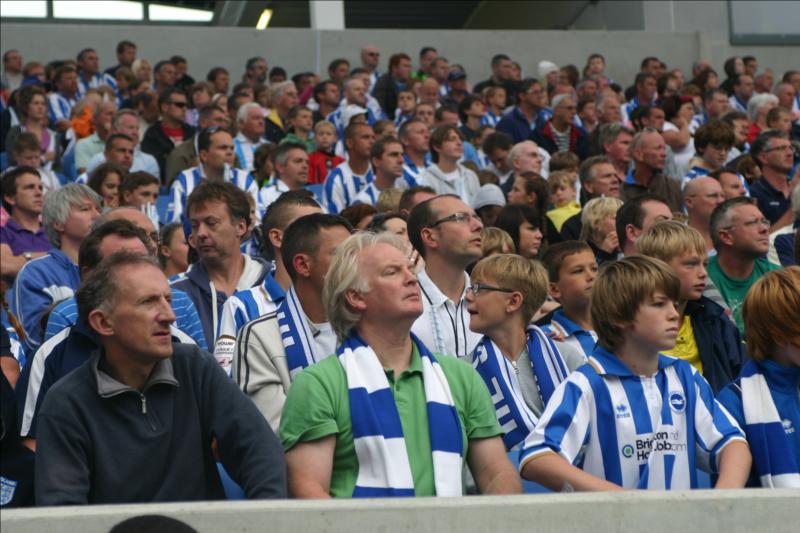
{"x": 21, "y": 240}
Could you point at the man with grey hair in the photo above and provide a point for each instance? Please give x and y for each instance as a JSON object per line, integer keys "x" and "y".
{"x": 160, "y": 405}
{"x": 88, "y": 147}
{"x": 250, "y": 123}
{"x": 284, "y": 98}
{"x": 614, "y": 141}
{"x": 740, "y": 233}
{"x": 649, "y": 153}
{"x": 67, "y": 217}
{"x": 126, "y": 122}
{"x": 526, "y": 156}
{"x": 355, "y": 94}
{"x": 700, "y": 196}
{"x": 608, "y": 110}
{"x": 290, "y": 161}
{"x": 386, "y": 417}
{"x": 559, "y": 133}
{"x": 598, "y": 179}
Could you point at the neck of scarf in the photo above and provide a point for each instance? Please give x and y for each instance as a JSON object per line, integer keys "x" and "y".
{"x": 548, "y": 367}
{"x": 773, "y": 453}
{"x": 384, "y": 468}
{"x": 298, "y": 340}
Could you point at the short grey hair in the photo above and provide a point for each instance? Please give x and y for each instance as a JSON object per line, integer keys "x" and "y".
{"x": 756, "y": 102}
{"x": 608, "y": 133}
{"x": 560, "y": 98}
{"x": 121, "y": 113}
{"x": 100, "y": 289}
{"x": 99, "y": 109}
{"x": 244, "y": 109}
{"x": 586, "y": 170}
{"x": 345, "y": 275}
{"x": 517, "y": 148}
{"x": 58, "y": 204}
{"x": 279, "y": 88}
{"x": 722, "y": 217}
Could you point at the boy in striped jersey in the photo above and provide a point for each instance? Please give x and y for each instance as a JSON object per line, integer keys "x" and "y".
{"x": 633, "y": 418}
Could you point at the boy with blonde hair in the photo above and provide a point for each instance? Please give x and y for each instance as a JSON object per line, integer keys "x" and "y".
{"x": 519, "y": 363}
{"x": 561, "y": 186}
{"x": 572, "y": 268}
{"x": 707, "y": 338}
{"x": 764, "y": 399}
{"x": 633, "y": 418}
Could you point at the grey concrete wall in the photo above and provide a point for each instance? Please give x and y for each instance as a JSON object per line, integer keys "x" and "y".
{"x": 743, "y": 511}
{"x": 304, "y": 49}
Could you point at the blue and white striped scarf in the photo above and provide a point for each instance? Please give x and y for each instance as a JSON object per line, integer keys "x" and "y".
{"x": 549, "y": 370}
{"x": 298, "y": 340}
{"x": 384, "y": 469}
{"x": 773, "y": 455}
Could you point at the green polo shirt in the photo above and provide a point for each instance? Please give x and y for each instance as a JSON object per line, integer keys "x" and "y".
{"x": 318, "y": 405}
{"x": 734, "y": 290}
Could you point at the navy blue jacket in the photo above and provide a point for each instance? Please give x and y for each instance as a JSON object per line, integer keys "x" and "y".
{"x": 722, "y": 351}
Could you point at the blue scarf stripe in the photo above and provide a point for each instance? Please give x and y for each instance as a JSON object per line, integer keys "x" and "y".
{"x": 378, "y": 492}
{"x": 367, "y": 419}
{"x": 441, "y": 415}
{"x": 296, "y": 342}
{"x": 760, "y": 436}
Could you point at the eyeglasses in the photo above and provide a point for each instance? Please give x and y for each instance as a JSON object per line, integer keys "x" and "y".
{"x": 455, "y": 217}
{"x": 373, "y": 54}
{"x": 475, "y": 288}
{"x": 182, "y": 105}
{"x": 753, "y": 223}
{"x": 781, "y": 147}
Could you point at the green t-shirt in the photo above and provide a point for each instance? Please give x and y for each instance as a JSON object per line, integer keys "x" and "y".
{"x": 318, "y": 405}
{"x": 734, "y": 290}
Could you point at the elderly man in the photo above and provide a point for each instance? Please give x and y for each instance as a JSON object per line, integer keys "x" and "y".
{"x": 67, "y": 218}
{"x": 386, "y": 417}
{"x": 559, "y": 133}
{"x": 700, "y": 196}
{"x": 88, "y": 147}
{"x": 250, "y": 122}
{"x": 649, "y": 153}
{"x": 148, "y": 400}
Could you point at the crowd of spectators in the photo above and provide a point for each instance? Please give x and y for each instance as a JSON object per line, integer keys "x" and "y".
{"x": 390, "y": 279}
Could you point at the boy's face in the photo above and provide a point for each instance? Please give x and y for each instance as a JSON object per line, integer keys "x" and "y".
{"x": 325, "y": 138}
{"x": 303, "y": 121}
{"x": 691, "y": 270}
{"x": 498, "y": 99}
{"x": 564, "y": 194}
{"x": 575, "y": 280}
{"x": 28, "y": 158}
{"x": 487, "y": 309}
{"x": 405, "y": 101}
{"x": 655, "y": 326}
{"x": 477, "y": 109}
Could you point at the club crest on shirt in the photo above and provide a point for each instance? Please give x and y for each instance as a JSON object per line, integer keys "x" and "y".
{"x": 787, "y": 426}
{"x": 7, "y": 489}
{"x": 677, "y": 402}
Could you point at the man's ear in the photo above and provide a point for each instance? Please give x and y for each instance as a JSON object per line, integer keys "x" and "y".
{"x": 355, "y": 300}
{"x": 632, "y": 233}
{"x": 100, "y": 322}
{"x": 428, "y": 238}
{"x": 275, "y": 237}
{"x": 302, "y": 264}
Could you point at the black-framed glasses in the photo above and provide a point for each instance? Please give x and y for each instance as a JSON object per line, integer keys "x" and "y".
{"x": 455, "y": 217}
{"x": 182, "y": 105}
{"x": 477, "y": 287}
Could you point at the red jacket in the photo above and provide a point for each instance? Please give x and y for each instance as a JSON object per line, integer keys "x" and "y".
{"x": 320, "y": 164}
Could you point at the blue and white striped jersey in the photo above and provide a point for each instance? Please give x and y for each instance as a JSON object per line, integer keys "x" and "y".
{"x": 97, "y": 80}
{"x": 573, "y": 334}
{"x": 242, "y": 307}
{"x": 694, "y": 172}
{"x": 59, "y": 107}
{"x": 411, "y": 172}
{"x": 490, "y": 119}
{"x": 342, "y": 186}
{"x": 368, "y": 195}
{"x": 270, "y": 192}
{"x": 638, "y": 432}
{"x": 187, "y": 180}
{"x": 737, "y": 104}
{"x": 245, "y": 150}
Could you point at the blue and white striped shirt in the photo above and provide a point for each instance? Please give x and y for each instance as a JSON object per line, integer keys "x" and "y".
{"x": 96, "y": 80}
{"x": 59, "y": 107}
{"x": 246, "y": 150}
{"x": 411, "y": 172}
{"x": 368, "y": 195}
{"x": 490, "y": 119}
{"x": 187, "y": 180}
{"x": 737, "y": 104}
{"x": 634, "y": 431}
{"x": 342, "y": 186}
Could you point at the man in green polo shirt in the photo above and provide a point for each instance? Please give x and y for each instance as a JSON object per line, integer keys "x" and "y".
{"x": 332, "y": 446}
{"x": 740, "y": 234}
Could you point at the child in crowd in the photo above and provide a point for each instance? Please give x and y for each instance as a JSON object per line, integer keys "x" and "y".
{"x": 707, "y": 338}
{"x": 406, "y": 105}
{"x": 712, "y": 143}
{"x": 384, "y": 128}
{"x": 323, "y": 160}
{"x": 764, "y": 399}
{"x": 483, "y": 132}
{"x": 572, "y": 268}
{"x": 780, "y": 118}
{"x": 496, "y": 241}
{"x": 495, "y": 98}
{"x": 519, "y": 363}
{"x": 632, "y": 418}
{"x": 300, "y": 122}
{"x": 561, "y": 187}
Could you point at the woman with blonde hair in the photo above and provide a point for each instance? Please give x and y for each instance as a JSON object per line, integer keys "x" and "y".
{"x": 599, "y": 227}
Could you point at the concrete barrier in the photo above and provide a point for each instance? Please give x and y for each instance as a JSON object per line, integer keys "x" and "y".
{"x": 745, "y": 511}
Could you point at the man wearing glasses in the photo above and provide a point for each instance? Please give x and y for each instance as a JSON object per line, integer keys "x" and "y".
{"x": 447, "y": 234}
{"x": 773, "y": 153}
{"x": 163, "y": 136}
{"x": 740, "y": 233}
{"x": 370, "y": 58}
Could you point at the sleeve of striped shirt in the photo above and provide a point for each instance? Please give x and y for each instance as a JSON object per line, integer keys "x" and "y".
{"x": 176, "y": 201}
{"x": 564, "y": 426}
{"x": 56, "y": 111}
{"x": 714, "y": 427}
{"x": 333, "y": 193}
{"x": 186, "y": 318}
{"x": 230, "y": 318}
{"x": 56, "y": 322}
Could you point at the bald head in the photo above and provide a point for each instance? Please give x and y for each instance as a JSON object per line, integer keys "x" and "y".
{"x": 701, "y": 195}
{"x": 135, "y": 217}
